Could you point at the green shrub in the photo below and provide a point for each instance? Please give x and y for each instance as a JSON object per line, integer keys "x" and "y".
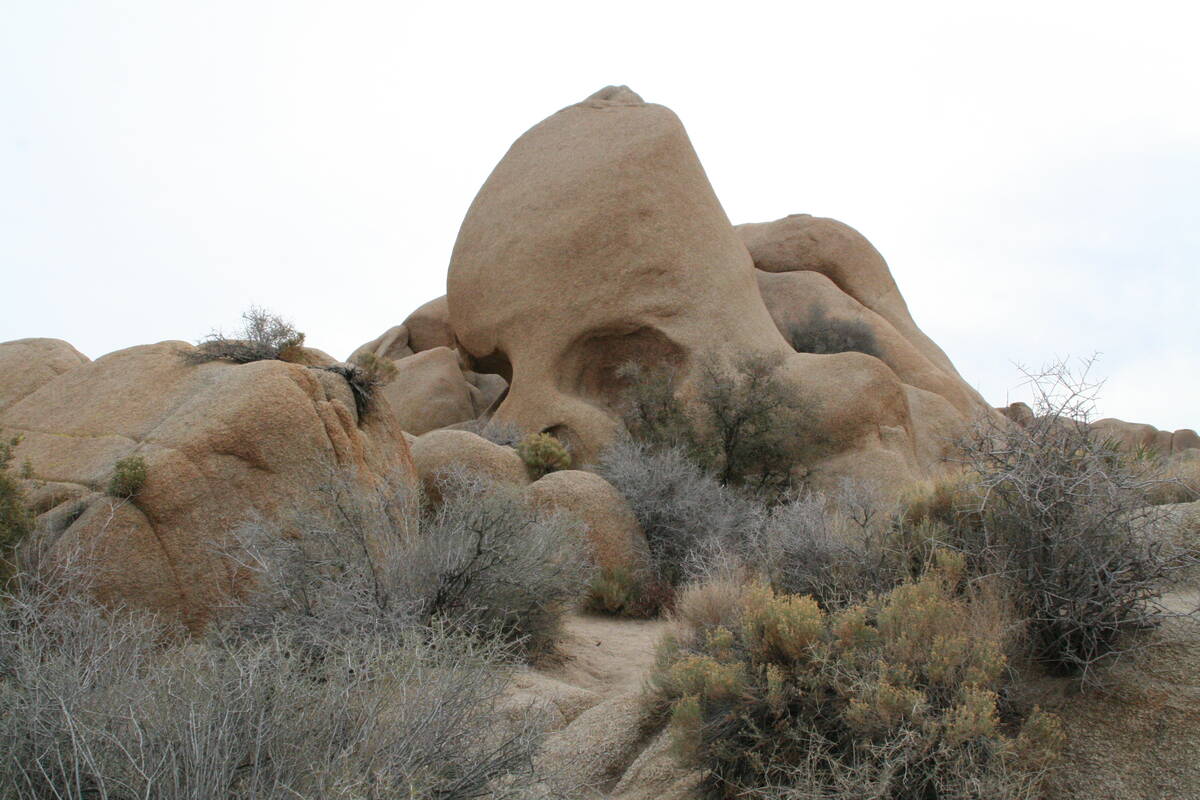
{"x": 824, "y": 335}
{"x": 651, "y": 410}
{"x": 543, "y": 453}
{"x": 741, "y": 425}
{"x": 129, "y": 475}
{"x": 614, "y": 591}
{"x": 263, "y": 337}
{"x": 770, "y": 695}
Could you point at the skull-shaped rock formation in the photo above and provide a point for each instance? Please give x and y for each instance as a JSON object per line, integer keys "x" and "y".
{"x": 597, "y": 240}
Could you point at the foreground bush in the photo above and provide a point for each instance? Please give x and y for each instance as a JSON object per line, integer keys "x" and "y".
{"x": 482, "y": 560}
{"x": 1062, "y": 516}
{"x": 771, "y": 696}
{"x": 688, "y": 517}
{"x": 111, "y": 704}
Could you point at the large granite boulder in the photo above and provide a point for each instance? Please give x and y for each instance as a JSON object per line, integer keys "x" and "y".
{"x": 597, "y": 241}
{"x": 222, "y": 443}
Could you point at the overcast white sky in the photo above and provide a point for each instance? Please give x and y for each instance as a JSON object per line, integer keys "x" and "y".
{"x": 1031, "y": 171}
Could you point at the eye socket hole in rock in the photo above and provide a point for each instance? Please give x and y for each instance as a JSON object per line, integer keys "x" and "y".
{"x": 598, "y": 364}
{"x": 494, "y": 363}
{"x": 824, "y": 335}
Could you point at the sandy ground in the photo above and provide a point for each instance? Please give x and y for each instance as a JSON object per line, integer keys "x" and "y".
{"x": 606, "y": 655}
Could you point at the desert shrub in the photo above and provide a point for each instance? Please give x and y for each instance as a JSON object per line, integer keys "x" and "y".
{"x": 741, "y": 425}
{"x": 264, "y": 336}
{"x": 543, "y": 453}
{"x": 824, "y": 335}
{"x": 686, "y": 515}
{"x": 840, "y": 549}
{"x": 482, "y": 560}
{"x": 748, "y": 433}
{"x": 366, "y": 376}
{"x": 15, "y": 518}
{"x": 614, "y": 590}
{"x": 498, "y": 563}
{"x": 128, "y": 477}
{"x": 109, "y": 704}
{"x": 651, "y": 410}
{"x": 771, "y": 696}
{"x": 1061, "y": 515}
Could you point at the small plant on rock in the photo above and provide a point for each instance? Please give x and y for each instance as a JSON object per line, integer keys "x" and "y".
{"x": 367, "y": 374}
{"x": 264, "y": 336}
{"x": 543, "y": 453}
{"x": 129, "y": 475}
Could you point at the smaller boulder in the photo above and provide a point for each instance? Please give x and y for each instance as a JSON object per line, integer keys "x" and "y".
{"x": 429, "y": 391}
{"x": 617, "y": 540}
{"x": 437, "y": 452}
{"x": 429, "y": 326}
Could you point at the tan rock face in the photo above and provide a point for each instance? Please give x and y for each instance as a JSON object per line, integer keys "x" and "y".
{"x": 804, "y": 243}
{"x": 26, "y": 364}
{"x": 439, "y": 451}
{"x": 617, "y": 540}
{"x": 430, "y": 391}
{"x": 221, "y": 442}
{"x": 1133, "y": 436}
{"x": 598, "y": 240}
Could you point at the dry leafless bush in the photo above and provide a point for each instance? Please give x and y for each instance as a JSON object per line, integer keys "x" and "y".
{"x": 1173, "y": 480}
{"x": 312, "y": 701}
{"x": 838, "y": 549}
{"x": 482, "y": 559}
{"x": 686, "y": 514}
{"x": 1061, "y": 515}
{"x": 263, "y": 336}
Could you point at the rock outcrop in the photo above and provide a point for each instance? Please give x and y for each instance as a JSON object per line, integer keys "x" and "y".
{"x": 28, "y": 364}
{"x": 221, "y": 443}
{"x": 432, "y": 389}
{"x": 597, "y": 240}
{"x": 617, "y": 541}
{"x": 1134, "y": 436}
{"x": 439, "y": 452}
